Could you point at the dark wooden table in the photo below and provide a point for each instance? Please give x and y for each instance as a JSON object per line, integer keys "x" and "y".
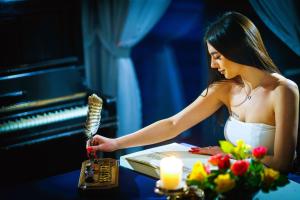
{"x": 132, "y": 185}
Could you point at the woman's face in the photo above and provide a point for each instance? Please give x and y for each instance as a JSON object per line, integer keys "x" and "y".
{"x": 225, "y": 66}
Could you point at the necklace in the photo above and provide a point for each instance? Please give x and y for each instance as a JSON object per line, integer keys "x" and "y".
{"x": 249, "y": 95}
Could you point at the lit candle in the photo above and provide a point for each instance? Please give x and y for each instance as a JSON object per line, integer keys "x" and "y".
{"x": 170, "y": 172}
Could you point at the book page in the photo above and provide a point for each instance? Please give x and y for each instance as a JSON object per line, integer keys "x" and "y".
{"x": 148, "y": 161}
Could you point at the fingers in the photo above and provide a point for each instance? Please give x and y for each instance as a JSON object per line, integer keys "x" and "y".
{"x": 196, "y": 149}
{"x": 210, "y": 150}
{"x": 202, "y": 152}
{"x": 96, "y": 148}
{"x": 100, "y": 143}
{"x": 95, "y": 140}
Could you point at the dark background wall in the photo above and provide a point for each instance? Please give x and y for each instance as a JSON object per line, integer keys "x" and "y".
{"x": 181, "y": 29}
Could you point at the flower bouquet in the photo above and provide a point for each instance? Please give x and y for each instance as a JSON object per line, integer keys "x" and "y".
{"x": 244, "y": 174}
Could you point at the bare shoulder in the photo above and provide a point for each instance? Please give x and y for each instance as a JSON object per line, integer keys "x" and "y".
{"x": 222, "y": 90}
{"x": 221, "y": 87}
{"x": 285, "y": 87}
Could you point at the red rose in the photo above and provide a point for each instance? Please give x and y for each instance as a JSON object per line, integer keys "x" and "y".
{"x": 221, "y": 160}
{"x": 240, "y": 167}
{"x": 224, "y": 162}
{"x": 259, "y": 152}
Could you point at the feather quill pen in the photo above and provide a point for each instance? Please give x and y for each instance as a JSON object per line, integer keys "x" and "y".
{"x": 93, "y": 116}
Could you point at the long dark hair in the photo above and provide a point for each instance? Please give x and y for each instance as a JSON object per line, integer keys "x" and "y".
{"x": 237, "y": 39}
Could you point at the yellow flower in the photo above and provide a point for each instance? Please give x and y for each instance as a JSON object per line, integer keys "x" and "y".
{"x": 224, "y": 183}
{"x": 242, "y": 150}
{"x": 270, "y": 175}
{"x": 198, "y": 172}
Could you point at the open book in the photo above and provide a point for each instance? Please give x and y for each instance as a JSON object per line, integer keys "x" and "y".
{"x": 148, "y": 161}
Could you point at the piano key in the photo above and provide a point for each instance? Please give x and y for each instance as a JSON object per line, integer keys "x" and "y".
{"x": 45, "y": 118}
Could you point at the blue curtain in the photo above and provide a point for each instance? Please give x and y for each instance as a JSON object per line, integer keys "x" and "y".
{"x": 283, "y": 18}
{"x": 163, "y": 94}
{"x": 110, "y": 29}
{"x": 165, "y": 77}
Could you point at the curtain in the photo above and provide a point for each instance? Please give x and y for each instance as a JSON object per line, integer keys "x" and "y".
{"x": 163, "y": 89}
{"x": 283, "y": 18}
{"x": 110, "y": 29}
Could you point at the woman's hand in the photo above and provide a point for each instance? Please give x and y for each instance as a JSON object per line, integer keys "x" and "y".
{"x": 100, "y": 143}
{"x": 211, "y": 150}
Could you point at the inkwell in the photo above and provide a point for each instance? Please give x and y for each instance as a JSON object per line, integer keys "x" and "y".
{"x": 96, "y": 173}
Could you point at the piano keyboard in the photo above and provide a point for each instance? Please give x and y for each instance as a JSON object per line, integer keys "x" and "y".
{"x": 42, "y": 119}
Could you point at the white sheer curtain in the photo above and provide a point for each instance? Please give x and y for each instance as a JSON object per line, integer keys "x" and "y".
{"x": 283, "y": 18}
{"x": 110, "y": 29}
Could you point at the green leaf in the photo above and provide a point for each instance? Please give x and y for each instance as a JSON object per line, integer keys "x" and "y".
{"x": 282, "y": 180}
{"x": 253, "y": 181}
{"x": 226, "y": 146}
{"x": 194, "y": 182}
{"x": 256, "y": 167}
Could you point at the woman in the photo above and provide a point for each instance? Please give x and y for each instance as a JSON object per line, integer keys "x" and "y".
{"x": 263, "y": 105}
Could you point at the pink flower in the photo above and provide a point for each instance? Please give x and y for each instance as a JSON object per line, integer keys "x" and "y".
{"x": 221, "y": 160}
{"x": 259, "y": 152}
{"x": 240, "y": 167}
{"x": 207, "y": 168}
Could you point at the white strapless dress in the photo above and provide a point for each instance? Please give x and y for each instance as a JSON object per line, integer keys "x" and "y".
{"x": 254, "y": 134}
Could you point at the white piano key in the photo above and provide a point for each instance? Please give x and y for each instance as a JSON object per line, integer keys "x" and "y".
{"x": 45, "y": 118}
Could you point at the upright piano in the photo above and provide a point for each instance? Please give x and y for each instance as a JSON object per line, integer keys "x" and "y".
{"x": 43, "y": 95}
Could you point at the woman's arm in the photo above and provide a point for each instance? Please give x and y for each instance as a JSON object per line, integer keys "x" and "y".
{"x": 169, "y": 128}
{"x": 286, "y": 109}
{"x": 165, "y": 129}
